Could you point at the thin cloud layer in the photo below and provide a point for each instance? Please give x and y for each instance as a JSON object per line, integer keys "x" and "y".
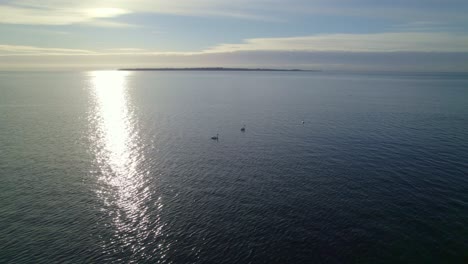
{"x": 65, "y": 12}
{"x": 15, "y": 50}
{"x": 381, "y": 42}
{"x": 55, "y": 16}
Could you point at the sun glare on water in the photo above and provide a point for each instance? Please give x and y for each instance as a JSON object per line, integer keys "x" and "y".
{"x": 118, "y": 152}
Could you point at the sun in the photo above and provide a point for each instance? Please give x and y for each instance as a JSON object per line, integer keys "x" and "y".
{"x": 105, "y": 12}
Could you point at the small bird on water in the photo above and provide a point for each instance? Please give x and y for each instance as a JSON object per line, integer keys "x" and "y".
{"x": 243, "y": 129}
{"x": 215, "y": 137}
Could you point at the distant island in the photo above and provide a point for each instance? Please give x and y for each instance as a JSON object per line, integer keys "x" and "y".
{"x": 213, "y": 69}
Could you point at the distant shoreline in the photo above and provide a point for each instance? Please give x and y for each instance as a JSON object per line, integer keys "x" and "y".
{"x": 215, "y": 69}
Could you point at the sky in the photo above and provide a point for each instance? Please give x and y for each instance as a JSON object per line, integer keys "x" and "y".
{"x": 398, "y": 35}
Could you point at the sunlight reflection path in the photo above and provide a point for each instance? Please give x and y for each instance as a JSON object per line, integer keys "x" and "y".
{"x": 117, "y": 146}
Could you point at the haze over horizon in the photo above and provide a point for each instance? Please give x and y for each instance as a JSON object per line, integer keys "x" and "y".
{"x": 327, "y": 35}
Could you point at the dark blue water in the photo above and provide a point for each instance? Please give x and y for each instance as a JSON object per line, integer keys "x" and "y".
{"x": 119, "y": 167}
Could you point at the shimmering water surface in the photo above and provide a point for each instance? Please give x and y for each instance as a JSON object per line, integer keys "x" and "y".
{"x": 119, "y": 167}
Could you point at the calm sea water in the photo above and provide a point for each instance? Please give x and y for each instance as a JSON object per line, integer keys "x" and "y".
{"x": 119, "y": 167}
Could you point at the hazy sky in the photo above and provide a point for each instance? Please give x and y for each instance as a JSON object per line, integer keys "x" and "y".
{"x": 410, "y": 35}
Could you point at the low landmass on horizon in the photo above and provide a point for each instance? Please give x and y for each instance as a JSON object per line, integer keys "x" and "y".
{"x": 211, "y": 69}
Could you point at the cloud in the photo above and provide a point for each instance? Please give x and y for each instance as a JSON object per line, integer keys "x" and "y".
{"x": 59, "y": 15}
{"x": 108, "y": 24}
{"x": 65, "y": 12}
{"x": 15, "y": 50}
{"x": 380, "y": 42}
{"x": 420, "y": 51}
{"x": 424, "y": 26}
{"x": 127, "y": 49}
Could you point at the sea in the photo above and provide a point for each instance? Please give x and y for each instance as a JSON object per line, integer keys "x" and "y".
{"x": 121, "y": 167}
